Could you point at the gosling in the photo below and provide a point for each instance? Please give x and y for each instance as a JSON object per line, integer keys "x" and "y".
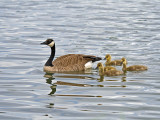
{"x": 108, "y": 71}
{"x": 133, "y": 67}
{"x": 109, "y": 62}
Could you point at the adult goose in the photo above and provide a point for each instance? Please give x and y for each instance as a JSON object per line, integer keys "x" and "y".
{"x": 69, "y": 62}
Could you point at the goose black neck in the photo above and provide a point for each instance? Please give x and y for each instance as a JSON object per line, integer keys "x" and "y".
{"x": 49, "y": 61}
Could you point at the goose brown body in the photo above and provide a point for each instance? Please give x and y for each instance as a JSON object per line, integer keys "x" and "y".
{"x": 112, "y": 72}
{"x": 133, "y": 67}
{"x": 69, "y": 62}
{"x": 114, "y": 62}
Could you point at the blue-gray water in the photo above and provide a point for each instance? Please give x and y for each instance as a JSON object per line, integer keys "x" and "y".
{"x": 122, "y": 28}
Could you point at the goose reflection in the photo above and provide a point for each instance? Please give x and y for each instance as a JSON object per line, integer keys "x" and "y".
{"x": 76, "y": 84}
{"x": 54, "y": 85}
{"x": 49, "y": 79}
{"x": 50, "y": 105}
{"x": 77, "y": 75}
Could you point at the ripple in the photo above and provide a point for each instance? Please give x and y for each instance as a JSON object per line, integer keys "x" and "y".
{"x": 122, "y": 28}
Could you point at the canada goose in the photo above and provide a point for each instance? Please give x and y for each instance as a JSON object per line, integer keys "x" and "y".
{"x": 70, "y": 62}
{"x": 109, "y": 62}
{"x": 133, "y": 67}
{"x": 103, "y": 71}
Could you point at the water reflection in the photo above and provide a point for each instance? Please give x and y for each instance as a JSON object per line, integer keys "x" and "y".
{"x": 49, "y": 79}
{"x": 77, "y": 95}
{"x": 88, "y": 71}
{"x": 53, "y": 89}
{"x": 123, "y": 79}
{"x": 101, "y": 79}
{"x": 51, "y": 105}
{"x": 76, "y": 76}
{"x": 78, "y": 27}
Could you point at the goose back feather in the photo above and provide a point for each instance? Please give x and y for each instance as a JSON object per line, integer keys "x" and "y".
{"x": 71, "y": 62}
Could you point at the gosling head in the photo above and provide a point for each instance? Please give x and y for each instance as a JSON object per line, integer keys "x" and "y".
{"x": 49, "y": 42}
{"x": 99, "y": 65}
{"x": 124, "y": 61}
{"x": 107, "y": 57}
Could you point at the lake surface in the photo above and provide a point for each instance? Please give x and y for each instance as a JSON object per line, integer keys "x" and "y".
{"x": 122, "y": 28}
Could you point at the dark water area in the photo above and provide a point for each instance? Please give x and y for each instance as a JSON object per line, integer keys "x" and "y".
{"x": 121, "y": 28}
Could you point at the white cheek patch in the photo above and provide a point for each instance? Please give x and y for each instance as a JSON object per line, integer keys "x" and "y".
{"x": 51, "y": 44}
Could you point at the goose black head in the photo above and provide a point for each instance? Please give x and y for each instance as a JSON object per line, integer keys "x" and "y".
{"x": 49, "y": 42}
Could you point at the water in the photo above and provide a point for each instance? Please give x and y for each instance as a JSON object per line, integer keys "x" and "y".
{"x": 121, "y": 28}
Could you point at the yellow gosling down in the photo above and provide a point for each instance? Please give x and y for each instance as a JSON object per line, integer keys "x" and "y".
{"x": 109, "y": 62}
{"x": 133, "y": 67}
{"x": 104, "y": 70}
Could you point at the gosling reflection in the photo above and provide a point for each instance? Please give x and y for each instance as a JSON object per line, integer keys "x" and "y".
{"x": 123, "y": 81}
{"x": 101, "y": 79}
